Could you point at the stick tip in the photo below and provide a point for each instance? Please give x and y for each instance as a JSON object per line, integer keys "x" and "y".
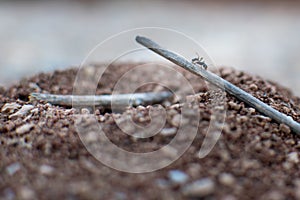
{"x": 138, "y": 38}
{"x": 32, "y": 97}
{"x": 36, "y": 96}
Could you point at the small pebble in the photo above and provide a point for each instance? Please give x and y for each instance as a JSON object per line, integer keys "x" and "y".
{"x": 275, "y": 137}
{"x": 140, "y": 108}
{"x": 262, "y": 117}
{"x": 194, "y": 169}
{"x": 293, "y": 157}
{"x": 102, "y": 118}
{"x": 200, "y": 188}
{"x": 265, "y": 135}
{"x": 284, "y": 128}
{"x": 234, "y": 105}
{"x": 242, "y": 119}
{"x": 287, "y": 165}
{"x": 169, "y": 151}
{"x": 268, "y": 144}
{"x": 10, "y": 125}
{"x": 27, "y": 193}
{"x": 286, "y": 109}
{"x": 176, "y": 120}
{"x": 251, "y": 111}
{"x": 175, "y": 106}
{"x": 10, "y": 107}
{"x": 225, "y": 155}
{"x": 24, "y": 128}
{"x": 85, "y": 111}
{"x": 253, "y": 87}
{"x": 13, "y": 168}
{"x": 166, "y": 103}
{"x": 290, "y": 141}
{"x": 23, "y": 111}
{"x": 250, "y": 164}
{"x": 178, "y": 176}
{"x": 226, "y": 179}
{"x": 168, "y": 131}
{"x": 46, "y": 169}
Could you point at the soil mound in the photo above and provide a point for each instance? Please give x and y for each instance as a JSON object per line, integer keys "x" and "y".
{"x": 42, "y": 156}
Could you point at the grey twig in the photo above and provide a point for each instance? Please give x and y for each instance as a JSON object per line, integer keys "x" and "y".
{"x": 221, "y": 83}
{"x": 118, "y": 100}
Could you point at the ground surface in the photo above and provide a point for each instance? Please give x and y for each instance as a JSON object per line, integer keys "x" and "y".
{"x": 42, "y": 156}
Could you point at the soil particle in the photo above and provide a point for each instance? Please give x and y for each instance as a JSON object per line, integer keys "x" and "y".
{"x": 284, "y": 128}
{"x": 22, "y": 112}
{"x": 226, "y": 179}
{"x": 293, "y": 157}
{"x": 199, "y": 188}
{"x": 13, "y": 168}
{"x": 178, "y": 176}
{"x": 10, "y": 107}
{"x": 42, "y": 156}
{"x": 24, "y": 128}
{"x": 168, "y": 131}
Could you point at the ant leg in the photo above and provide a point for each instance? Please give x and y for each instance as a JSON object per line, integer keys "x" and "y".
{"x": 194, "y": 60}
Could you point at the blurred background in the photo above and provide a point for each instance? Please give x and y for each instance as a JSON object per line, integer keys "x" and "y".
{"x": 261, "y": 38}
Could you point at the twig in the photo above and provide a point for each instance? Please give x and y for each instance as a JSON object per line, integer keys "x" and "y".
{"x": 118, "y": 100}
{"x": 221, "y": 83}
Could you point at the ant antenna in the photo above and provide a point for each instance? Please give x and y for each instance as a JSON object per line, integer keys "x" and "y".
{"x": 197, "y": 55}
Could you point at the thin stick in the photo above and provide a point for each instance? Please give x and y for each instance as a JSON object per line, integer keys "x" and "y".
{"x": 106, "y": 101}
{"x": 221, "y": 83}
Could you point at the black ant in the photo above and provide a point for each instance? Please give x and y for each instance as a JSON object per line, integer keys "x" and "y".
{"x": 200, "y": 62}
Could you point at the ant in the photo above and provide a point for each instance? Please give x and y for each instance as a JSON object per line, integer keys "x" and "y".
{"x": 200, "y": 61}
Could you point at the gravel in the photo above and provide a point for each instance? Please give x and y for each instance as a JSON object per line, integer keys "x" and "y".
{"x": 178, "y": 176}
{"x": 199, "y": 188}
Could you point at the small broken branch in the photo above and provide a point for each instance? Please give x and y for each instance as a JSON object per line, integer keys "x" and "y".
{"x": 106, "y": 101}
{"x": 221, "y": 83}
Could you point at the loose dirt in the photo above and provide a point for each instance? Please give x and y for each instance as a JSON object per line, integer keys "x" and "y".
{"x": 42, "y": 157}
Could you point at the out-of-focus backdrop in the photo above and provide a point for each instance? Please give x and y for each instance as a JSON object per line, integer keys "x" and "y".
{"x": 260, "y": 38}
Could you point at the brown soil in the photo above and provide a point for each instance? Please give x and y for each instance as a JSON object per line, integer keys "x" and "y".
{"x": 42, "y": 156}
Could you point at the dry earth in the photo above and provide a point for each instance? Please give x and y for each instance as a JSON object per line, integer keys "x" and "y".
{"x": 42, "y": 156}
